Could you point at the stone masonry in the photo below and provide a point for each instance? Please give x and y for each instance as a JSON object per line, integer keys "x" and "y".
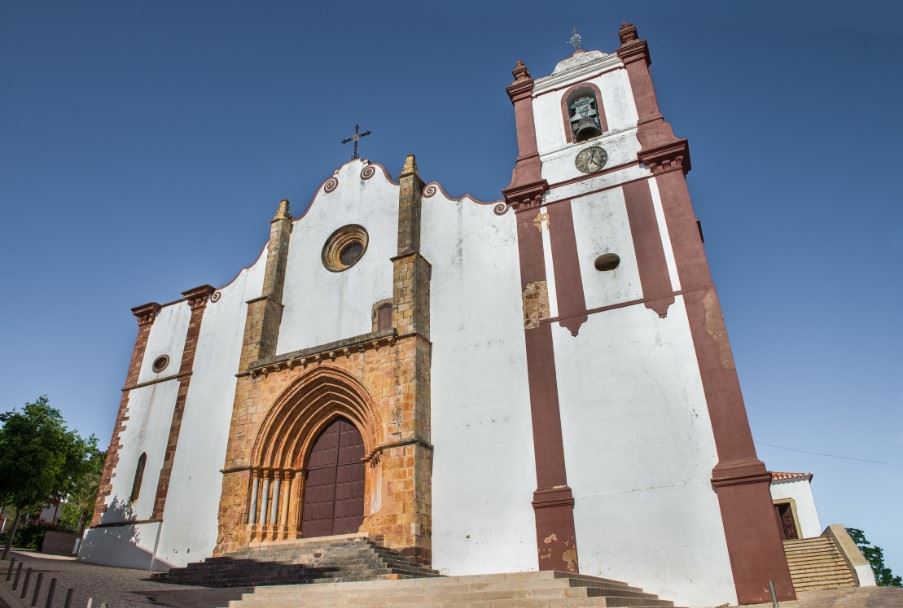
{"x": 378, "y": 381}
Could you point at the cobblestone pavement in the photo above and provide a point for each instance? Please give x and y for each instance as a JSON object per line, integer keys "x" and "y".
{"x": 862, "y": 597}
{"x": 117, "y": 587}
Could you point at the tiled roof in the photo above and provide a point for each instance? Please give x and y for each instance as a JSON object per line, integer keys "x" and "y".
{"x": 779, "y": 476}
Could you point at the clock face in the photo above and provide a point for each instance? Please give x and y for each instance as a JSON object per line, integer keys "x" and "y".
{"x": 591, "y": 159}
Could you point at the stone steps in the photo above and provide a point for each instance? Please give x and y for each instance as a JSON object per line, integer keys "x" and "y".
{"x": 351, "y": 558}
{"x": 520, "y": 590}
{"x": 816, "y": 564}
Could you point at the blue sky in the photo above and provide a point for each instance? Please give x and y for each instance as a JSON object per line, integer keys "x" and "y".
{"x": 144, "y": 146}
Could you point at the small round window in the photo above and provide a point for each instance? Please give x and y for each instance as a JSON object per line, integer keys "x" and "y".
{"x": 160, "y": 363}
{"x": 345, "y": 247}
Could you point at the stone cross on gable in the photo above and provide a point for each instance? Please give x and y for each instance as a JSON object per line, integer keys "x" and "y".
{"x": 356, "y": 137}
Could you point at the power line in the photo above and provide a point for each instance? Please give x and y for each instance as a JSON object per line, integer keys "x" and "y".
{"x": 780, "y": 447}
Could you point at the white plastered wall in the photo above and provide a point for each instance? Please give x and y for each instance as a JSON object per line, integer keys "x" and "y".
{"x": 192, "y": 503}
{"x": 601, "y": 226}
{"x": 639, "y": 453}
{"x": 323, "y": 306}
{"x": 639, "y": 449}
{"x": 617, "y": 100}
{"x": 149, "y": 414}
{"x": 167, "y": 337}
{"x": 483, "y": 467}
{"x": 800, "y": 492}
{"x": 129, "y": 546}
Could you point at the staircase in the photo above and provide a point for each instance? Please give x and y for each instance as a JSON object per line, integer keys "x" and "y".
{"x": 349, "y": 558}
{"x": 817, "y": 563}
{"x": 544, "y": 589}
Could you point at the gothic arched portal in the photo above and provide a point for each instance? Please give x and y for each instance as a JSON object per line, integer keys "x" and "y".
{"x": 334, "y": 482}
{"x": 308, "y": 476}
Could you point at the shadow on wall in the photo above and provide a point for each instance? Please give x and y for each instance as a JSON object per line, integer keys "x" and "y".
{"x": 121, "y": 541}
{"x": 118, "y": 511}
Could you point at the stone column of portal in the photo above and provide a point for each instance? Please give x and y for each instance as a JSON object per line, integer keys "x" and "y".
{"x": 145, "y": 316}
{"x": 264, "y": 501}
{"x": 252, "y": 511}
{"x": 261, "y": 333}
{"x": 274, "y": 506}
{"x": 286, "y": 502}
{"x": 411, "y": 459}
{"x": 294, "y": 508}
{"x": 553, "y": 501}
{"x": 740, "y": 478}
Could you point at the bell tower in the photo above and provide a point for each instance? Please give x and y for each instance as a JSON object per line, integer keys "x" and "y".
{"x": 635, "y": 402}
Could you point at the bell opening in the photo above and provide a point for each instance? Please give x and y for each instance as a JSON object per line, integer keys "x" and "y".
{"x": 586, "y": 128}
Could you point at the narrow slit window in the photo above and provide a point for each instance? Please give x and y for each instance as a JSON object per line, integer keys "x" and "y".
{"x": 139, "y": 475}
{"x": 384, "y": 317}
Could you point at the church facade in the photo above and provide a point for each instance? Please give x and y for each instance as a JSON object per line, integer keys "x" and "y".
{"x": 542, "y": 382}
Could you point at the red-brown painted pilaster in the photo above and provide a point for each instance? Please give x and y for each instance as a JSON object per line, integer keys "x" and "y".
{"x": 145, "y": 316}
{"x": 197, "y": 300}
{"x": 647, "y": 244}
{"x": 553, "y": 502}
{"x": 740, "y": 479}
{"x": 528, "y": 168}
{"x": 568, "y": 282}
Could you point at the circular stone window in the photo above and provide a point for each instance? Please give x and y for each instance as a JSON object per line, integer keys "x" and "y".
{"x": 345, "y": 247}
{"x": 160, "y": 363}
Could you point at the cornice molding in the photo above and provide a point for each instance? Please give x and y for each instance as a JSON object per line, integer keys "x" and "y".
{"x": 635, "y": 50}
{"x": 146, "y": 313}
{"x": 527, "y": 196}
{"x": 667, "y": 157}
{"x": 519, "y": 90}
{"x": 576, "y": 75}
{"x": 197, "y": 296}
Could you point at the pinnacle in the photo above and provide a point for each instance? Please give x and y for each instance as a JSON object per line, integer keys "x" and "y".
{"x": 282, "y": 211}
{"x": 410, "y": 166}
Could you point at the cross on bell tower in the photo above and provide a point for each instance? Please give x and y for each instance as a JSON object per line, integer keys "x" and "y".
{"x": 356, "y": 137}
{"x": 576, "y": 41}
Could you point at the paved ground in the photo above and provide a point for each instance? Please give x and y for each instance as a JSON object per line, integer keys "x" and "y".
{"x": 117, "y": 587}
{"x": 863, "y": 597}
{"x": 127, "y": 588}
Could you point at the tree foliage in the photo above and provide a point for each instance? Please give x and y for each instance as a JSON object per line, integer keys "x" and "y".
{"x": 79, "y": 505}
{"x": 875, "y": 555}
{"x": 40, "y": 457}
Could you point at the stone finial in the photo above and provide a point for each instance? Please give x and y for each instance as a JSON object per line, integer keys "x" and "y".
{"x": 282, "y": 211}
{"x": 520, "y": 72}
{"x": 410, "y": 166}
{"x": 627, "y": 33}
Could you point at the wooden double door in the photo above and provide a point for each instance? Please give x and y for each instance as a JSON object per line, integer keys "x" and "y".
{"x": 334, "y": 486}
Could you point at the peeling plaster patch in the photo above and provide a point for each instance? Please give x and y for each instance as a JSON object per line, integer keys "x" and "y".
{"x": 536, "y": 303}
{"x": 714, "y": 326}
{"x": 541, "y": 219}
{"x": 570, "y": 558}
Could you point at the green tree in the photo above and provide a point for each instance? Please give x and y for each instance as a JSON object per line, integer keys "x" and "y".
{"x": 39, "y": 458}
{"x": 875, "y": 555}
{"x": 79, "y": 505}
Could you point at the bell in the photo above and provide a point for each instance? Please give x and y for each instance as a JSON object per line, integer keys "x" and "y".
{"x": 586, "y": 128}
